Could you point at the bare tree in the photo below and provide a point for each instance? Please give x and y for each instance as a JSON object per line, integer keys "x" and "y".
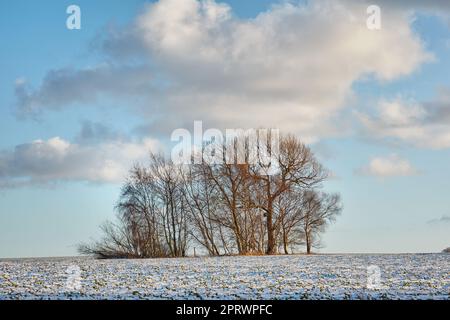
{"x": 138, "y": 207}
{"x": 170, "y": 204}
{"x": 201, "y": 196}
{"x": 230, "y": 180}
{"x": 227, "y": 206}
{"x": 290, "y": 217}
{"x": 137, "y": 231}
{"x": 297, "y": 169}
{"x": 151, "y": 216}
{"x": 319, "y": 209}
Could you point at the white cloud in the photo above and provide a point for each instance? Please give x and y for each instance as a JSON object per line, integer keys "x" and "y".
{"x": 398, "y": 113}
{"x": 65, "y": 87}
{"x": 291, "y": 67}
{"x": 391, "y": 166}
{"x": 425, "y": 125}
{"x": 55, "y": 159}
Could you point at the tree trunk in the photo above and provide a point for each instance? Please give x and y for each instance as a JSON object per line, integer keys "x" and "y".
{"x": 285, "y": 240}
{"x": 308, "y": 244}
{"x": 270, "y": 231}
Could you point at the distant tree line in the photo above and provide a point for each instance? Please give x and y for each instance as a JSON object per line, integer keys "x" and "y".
{"x": 224, "y": 209}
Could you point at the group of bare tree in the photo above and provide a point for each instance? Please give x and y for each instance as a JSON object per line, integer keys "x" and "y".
{"x": 220, "y": 208}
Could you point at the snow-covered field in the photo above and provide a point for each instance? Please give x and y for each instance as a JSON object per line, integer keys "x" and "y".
{"x": 410, "y": 276}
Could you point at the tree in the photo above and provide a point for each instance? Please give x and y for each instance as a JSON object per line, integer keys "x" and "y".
{"x": 230, "y": 181}
{"x": 291, "y": 215}
{"x": 152, "y": 220}
{"x": 138, "y": 206}
{"x": 137, "y": 231}
{"x": 319, "y": 209}
{"x": 297, "y": 169}
{"x": 226, "y": 207}
{"x": 202, "y": 203}
{"x": 167, "y": 187}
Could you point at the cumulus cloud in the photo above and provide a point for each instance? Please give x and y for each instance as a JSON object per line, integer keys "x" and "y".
{"x": 439, "y": 221}
{"x": 291, "y": 67}
{"x": 55, "y": 159}
{"x": 65, "y": 87}
{"x": 96, "y": 132}
{"x": 434, "y": 6}
{"x": 391, "y": 166}
{"x": 424, "y": 125}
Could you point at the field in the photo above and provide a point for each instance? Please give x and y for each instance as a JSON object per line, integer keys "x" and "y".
{"x": 408, "y": 276}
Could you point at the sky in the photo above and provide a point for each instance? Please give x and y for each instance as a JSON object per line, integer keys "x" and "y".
{"x": 79, "y": 106}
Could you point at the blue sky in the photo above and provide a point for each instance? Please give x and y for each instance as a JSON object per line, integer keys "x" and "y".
{"x": 78, "y": 107}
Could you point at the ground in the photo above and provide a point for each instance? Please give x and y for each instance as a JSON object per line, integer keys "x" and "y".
{"x": 408, "y": 276}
